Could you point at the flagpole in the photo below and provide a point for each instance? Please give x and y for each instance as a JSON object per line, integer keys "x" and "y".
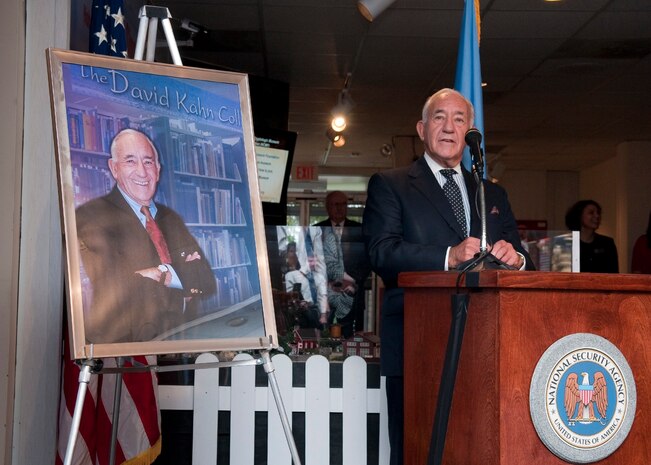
{"x": 468, "y": 79}
{"x": 468, "y": 82}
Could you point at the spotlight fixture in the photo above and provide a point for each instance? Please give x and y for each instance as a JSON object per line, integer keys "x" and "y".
{"x": 338, "y": 122}
{"x": 339, "y": 114}
{"x": 336, "y": 137}
{"x": 371, "y": 9}
{"x": 340, "y": 111}
{"x": 386, "y": 150}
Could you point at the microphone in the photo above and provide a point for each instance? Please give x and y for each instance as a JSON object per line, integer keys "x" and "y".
{"x": 473, "y": 140}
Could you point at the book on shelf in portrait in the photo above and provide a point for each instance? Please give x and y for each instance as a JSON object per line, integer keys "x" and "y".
{"x": 89, "y": 128}
{"x": 92, "y": 130}
{"x": 75, "y": 128}
{"x": 197, "y": 155}
{"x": 186, "y": 201}
{"x": 233, "y": 287}
{"x": 222, "y": 205}
{"x": 206, "y": 202}
{"x": 90, "y": 181}
{"x": 222, "y": 247}
{"x": 107, "y": 126}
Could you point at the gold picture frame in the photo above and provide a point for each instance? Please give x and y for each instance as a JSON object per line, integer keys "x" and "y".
{"x": 200, "y": 127}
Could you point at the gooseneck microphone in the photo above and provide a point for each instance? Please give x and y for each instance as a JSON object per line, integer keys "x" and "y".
{"x": 473, "y": 140}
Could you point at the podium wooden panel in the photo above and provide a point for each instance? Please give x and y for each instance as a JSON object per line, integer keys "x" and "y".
{"x": 513, "y": 317}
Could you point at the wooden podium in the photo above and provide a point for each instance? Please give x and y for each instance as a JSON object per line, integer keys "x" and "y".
{"x": 513, "y": 317}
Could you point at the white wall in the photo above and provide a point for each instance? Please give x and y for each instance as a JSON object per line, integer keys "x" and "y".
{"x": 633, "y": 194}
{"x": 599, "y": 183}
{"x": 562, "y": 192}
{"x": 40, "y": 279}
{"x": 541, "y": 195}
{"x": 12, "y": 48}
{"x": 621, "y": 185}
{"x": 526, "y": 190}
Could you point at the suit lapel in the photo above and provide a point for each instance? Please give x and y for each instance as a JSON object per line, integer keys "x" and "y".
{"x": 424, "y": 181}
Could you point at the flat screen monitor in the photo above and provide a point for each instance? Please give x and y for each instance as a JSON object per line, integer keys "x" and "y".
{"x": 274, "y": 151}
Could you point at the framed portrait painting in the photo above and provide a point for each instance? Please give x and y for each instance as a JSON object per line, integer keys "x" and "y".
{"x": 164, "y": 233}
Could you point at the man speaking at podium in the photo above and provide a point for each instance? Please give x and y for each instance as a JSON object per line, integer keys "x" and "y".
{"x": 424, "y": 217}
{"x": 146, "y": 270}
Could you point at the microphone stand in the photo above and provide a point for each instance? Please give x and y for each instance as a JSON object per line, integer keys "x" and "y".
{"x": 483, "y": 260}
{"x": 459, "y": 306}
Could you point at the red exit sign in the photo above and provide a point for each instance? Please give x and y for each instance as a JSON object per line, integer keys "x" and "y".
{"x": 306, "y": 173}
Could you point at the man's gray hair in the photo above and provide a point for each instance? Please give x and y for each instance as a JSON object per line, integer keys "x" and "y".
{"x": 132, "y": 132}
{"x": 445, "y": 90}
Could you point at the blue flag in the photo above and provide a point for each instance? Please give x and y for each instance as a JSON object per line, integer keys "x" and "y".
{"x": 108, "y": 35}
{"x": 468, "y": 77}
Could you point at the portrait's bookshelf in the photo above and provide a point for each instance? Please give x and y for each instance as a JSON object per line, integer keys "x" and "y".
{"x": 202, "y": 179}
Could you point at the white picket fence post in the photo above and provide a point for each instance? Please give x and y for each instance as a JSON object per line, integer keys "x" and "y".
{"x": 242, "y": 398}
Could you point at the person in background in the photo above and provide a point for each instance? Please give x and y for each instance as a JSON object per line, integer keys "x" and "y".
{"x": 641, "y": 262}
{"x": 305, "y": 285}
{"x": 306, "y": 243}
{"x": 598, "y": 252}
{"x": 347, "y": 265}
{"x": 410, "y": 224}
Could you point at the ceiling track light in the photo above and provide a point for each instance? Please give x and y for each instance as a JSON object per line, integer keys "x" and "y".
{"x": 338, "y": 123}
{"x": 336, "y": 137}
{"x": 339, "y": 114}
{"x": 340, "y": 110}
{"x": 371, "y": 9}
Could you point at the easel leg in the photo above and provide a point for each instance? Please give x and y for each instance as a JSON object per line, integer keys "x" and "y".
{"x": 171, "y": 42}
{"x": 142, "y": 38}
{"x": 117, "y": 397}
{"x": 151, "y": 39}
{"x": 84, "y": 379}
{"x": 271, "y": 375}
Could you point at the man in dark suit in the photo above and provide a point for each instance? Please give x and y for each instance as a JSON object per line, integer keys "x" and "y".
{"x": 347, "y": 264}
{"x": 410, "y": 225}
{"x": 146, "y": 270}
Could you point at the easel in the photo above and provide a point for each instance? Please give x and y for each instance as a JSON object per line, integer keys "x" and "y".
{"x": 149, "y": 16}
{"x": 94, "y": 366}
{"x": 147, "y": 30}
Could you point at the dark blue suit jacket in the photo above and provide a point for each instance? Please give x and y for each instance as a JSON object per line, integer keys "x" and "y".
{"x": 409, "y": 225}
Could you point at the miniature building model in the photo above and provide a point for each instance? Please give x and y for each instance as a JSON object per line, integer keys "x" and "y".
{"x": 363, "y": 344}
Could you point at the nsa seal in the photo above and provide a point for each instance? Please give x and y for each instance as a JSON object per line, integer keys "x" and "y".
{"x": 582, "y": 398}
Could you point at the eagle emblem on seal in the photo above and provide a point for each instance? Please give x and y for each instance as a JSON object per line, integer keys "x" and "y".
{"x": 586, "y": 403}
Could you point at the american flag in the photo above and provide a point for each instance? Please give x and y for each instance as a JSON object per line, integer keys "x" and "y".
{"x": 108, "y": 34}
{"x": 138, "y": 439}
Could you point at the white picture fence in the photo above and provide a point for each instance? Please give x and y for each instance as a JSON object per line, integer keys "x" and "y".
{"x": 317, "y": 400}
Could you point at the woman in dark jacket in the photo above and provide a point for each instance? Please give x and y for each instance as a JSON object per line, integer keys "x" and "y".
{"x": 598, "y": 253}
